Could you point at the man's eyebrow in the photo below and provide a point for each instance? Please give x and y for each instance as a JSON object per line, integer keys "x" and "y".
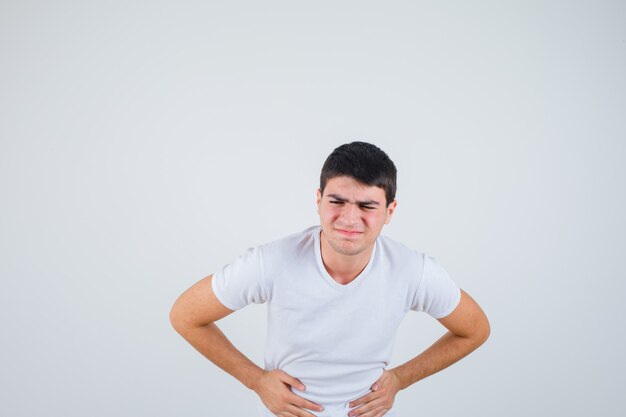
{"x": 343, "y": 200}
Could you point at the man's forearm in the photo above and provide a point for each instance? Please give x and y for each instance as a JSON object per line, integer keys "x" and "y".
{"x": 215, "y": 346}
{"x": 444, "y": 352}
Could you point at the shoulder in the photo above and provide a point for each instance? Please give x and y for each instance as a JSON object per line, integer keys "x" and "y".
{"x": 292, "y": 240}
{"x": 398, "y": 253}
{"x": 291, "y": 245}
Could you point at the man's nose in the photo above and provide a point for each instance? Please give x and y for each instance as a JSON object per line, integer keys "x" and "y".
{"x": 350, "y": 213}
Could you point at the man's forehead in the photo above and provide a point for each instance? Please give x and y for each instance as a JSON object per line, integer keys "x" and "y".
{"x": 350, "y": 188}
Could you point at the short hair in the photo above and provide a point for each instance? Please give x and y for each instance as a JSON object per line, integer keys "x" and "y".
{"x": 365, "y": 163}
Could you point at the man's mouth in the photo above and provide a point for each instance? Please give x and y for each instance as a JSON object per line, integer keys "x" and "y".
{"x": 349, "y": 232}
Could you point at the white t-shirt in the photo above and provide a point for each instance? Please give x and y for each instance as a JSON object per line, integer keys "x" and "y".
{"x": 335, "y": 338}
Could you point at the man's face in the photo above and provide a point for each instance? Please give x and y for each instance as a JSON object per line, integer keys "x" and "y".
{"x": 352, "y": 214}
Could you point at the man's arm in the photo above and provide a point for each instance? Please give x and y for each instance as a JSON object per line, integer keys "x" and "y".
{"x": 468, "y": 328}
{"x": 193, "y": 316}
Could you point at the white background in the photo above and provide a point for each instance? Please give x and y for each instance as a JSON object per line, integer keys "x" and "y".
{"x": 146, "y": 144}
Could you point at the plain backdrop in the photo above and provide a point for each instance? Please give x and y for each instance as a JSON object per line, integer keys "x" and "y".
{"x": 146, "y": 144}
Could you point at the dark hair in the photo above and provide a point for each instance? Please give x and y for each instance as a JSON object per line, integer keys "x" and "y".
{"x": 365, "y": 163}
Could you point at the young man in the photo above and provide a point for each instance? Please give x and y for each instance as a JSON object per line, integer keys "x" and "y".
{"x": 336, "y": 294}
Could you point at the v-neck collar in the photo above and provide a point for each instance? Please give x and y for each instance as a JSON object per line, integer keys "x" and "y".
{"x": 320, "y": 263}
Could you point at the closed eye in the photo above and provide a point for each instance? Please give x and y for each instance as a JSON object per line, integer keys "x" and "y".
{"x": 362, "y": 206}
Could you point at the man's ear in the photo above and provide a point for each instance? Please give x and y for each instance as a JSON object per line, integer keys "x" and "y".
{"x": 390, "y": 210}
{"x": 319, "y": 200}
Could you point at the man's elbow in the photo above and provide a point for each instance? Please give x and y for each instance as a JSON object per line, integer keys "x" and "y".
{"x": 482, "y": 332}
{"x": 174, "y": 319}
{"x": 177, "y": 318}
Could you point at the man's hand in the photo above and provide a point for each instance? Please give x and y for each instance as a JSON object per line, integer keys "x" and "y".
{"x": 380, "y": 400}
{"x": 273, "y": 388}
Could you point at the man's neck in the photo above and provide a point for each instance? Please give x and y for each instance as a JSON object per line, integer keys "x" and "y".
{"x": 343, "y": 268}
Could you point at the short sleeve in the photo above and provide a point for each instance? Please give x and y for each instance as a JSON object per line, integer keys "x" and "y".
{"x": 241, "y": 283}
{"x": 437, "y": 294}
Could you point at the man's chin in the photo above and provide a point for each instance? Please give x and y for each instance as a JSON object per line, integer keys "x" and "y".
{"x": 348, "y": 249}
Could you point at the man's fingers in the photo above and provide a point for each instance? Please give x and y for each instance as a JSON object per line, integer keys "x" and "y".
{"x": 299, "y": 412}
{"x": 303, "y": 403}
{"x": 378, "y": 383}
{"x": 379, "y": 412}
{"x": 364, "y": 399}
{"x": 294, "y": 382}
{"x": 285, "y": 414}
{"x": 367, "y": 409}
